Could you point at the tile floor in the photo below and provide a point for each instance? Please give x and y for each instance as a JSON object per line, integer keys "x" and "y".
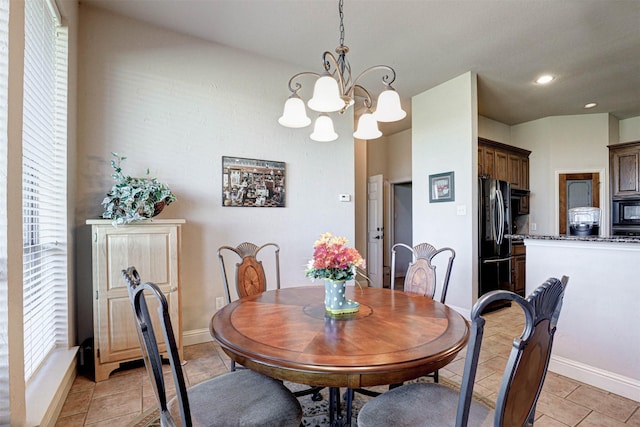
{"x": 564, "y": 402}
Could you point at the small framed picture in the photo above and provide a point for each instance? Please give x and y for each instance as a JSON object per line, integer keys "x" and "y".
{"x": 441, "y": 188}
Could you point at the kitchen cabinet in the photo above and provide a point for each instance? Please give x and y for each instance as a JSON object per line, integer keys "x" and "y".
{"x": 624, "y": 164}
{"x": 505, "y": 162}
{"x": 153, "y": 247}
{"x": 518, "y": 268}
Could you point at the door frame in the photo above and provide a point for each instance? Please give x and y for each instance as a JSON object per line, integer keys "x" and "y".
{"x": 600, "y": 194}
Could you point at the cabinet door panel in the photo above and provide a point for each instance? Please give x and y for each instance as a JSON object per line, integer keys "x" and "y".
{"x": 524, "y": 177}
{"x": 502, "y": 166}
{"x": 626, "y": 166}
{"x": 515, "y": 170}
{"x": 153, "y": 250}
{"x": 489, "y": 162}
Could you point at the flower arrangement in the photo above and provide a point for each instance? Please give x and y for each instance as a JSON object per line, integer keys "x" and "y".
{"x": 333, "y": 260}
{"x": 133, "y": 199}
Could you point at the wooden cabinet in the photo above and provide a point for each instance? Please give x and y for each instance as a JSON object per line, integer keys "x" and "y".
{"x": 153, "y": 247}
{"x": 502, "y": 165}
{"x": 504, "y": 162}
{"x": 624, "y": 163}
{"x": 518, "y": 268}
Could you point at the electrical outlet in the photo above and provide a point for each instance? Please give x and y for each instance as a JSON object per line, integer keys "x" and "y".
{"x": 219, "y": 303}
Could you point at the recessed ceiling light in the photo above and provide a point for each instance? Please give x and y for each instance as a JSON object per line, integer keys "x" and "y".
{"x": 544, "y": 79}
{"x": 590, "y": 105}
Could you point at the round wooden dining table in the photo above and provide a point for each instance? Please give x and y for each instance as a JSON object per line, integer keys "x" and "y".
{"x": 286, "y": 334}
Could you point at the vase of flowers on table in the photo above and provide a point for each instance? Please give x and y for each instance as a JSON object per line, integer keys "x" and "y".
{"x": 336, "y": 263}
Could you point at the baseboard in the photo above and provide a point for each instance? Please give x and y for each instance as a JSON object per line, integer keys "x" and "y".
{"x": 196, "y": 336}
{"x": 609, "y": 381}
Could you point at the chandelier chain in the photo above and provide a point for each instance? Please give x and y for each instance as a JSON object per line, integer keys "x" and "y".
{"x": 340, "y": 4}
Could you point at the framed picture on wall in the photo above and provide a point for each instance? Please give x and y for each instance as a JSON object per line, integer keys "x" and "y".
{"x": 441, "y": 187}
{"x": 253, "y": 182}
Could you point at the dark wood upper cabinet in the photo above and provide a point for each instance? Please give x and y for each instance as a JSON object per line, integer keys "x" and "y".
{"x": 504, "y": 162}
{"x": 624, "y": 162}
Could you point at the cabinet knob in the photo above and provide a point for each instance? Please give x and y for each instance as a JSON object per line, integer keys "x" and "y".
{"x": 173, "y": 289}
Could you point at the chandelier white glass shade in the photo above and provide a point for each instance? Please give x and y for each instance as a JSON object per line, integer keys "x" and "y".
{"x": 323, "y": 129}
{"x": 335, "y": 91}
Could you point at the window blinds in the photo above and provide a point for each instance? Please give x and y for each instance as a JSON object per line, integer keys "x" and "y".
{"x": 4, "y": 344}
{"x": 44, "y": 184}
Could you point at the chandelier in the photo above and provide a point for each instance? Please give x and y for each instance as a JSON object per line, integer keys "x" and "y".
{"x": 335, "y": 91}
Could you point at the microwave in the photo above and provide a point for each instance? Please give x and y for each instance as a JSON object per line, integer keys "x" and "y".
{"x": 625, "y": 217}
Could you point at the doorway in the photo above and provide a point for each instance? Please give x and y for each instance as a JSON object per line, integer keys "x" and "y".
{"x": 576, "y": 190}
{"x": 401, "y": 228}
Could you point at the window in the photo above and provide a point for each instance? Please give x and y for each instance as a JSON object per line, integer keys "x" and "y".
{"x": 44, "y": 198}
{"x": 4, "y": 345}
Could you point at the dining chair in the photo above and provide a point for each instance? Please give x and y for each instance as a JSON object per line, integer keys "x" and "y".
{"x": 250, "y": 277}
{"x": 236, "y": 398}
{"x": 521, "y": 384}
{"x": 420, "y": 277}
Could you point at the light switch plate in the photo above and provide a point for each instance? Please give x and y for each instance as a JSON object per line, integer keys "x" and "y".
{"x": 345, "y": 197}
{"x": 462, "y": 210}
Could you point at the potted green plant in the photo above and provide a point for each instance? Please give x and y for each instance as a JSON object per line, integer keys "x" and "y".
{"x": 134, "y": 199}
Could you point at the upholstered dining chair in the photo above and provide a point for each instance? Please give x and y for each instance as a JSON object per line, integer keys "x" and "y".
{"x": 236, "y": 398}
{"x": 521, "y": 384}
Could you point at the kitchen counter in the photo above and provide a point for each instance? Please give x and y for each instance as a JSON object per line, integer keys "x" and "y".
{"x": 612, "y": 239}
{"x": 598, "y": 336}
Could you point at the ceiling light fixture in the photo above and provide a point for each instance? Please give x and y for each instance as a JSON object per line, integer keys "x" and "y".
{"x": 334, "y": 90}
{"x": 590, "y": 105}
{"x": 544, "y": 79}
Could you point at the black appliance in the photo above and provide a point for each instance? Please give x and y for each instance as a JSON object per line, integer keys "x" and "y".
{"x": 494, "y": 251}
{"x": 625, "y": 217}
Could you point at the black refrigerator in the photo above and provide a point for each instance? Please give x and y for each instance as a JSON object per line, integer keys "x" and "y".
{"x": 494, "y": 264}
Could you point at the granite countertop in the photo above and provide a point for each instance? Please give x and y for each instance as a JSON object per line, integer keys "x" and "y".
{"x": 614, "y": 239}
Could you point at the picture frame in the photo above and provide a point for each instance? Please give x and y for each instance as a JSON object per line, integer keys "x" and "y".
{"x": 253, "y": 182}
{"x": 442, "y": 187}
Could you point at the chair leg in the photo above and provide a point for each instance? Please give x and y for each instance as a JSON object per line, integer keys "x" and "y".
{"x": 436, "y": 377}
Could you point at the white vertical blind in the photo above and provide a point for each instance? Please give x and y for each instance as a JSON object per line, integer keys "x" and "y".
{"x": 4, "y": 339}
{"x": 44, "y": 184}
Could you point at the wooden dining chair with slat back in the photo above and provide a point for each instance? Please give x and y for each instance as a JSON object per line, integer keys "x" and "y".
{"x": 521, "y": 383}
{"x": 251, "y": 279}
{"x": 421, "y": 276}
{"x": 235, "y": 398}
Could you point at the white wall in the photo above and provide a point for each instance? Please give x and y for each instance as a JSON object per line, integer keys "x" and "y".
{"x": 493, "y": 130}
{"x": 630, "y": 129}
{"x": 563, "y": 144}
{"x": 444, "y": 139}
{"x": 398, "y": 156}
{"x": 178, "y": 104}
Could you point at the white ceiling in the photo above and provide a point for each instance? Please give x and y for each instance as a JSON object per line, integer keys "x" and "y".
{"x": 591, "y": 46}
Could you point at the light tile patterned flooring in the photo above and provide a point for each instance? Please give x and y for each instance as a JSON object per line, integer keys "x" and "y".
{"x": 563, "y": 402}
